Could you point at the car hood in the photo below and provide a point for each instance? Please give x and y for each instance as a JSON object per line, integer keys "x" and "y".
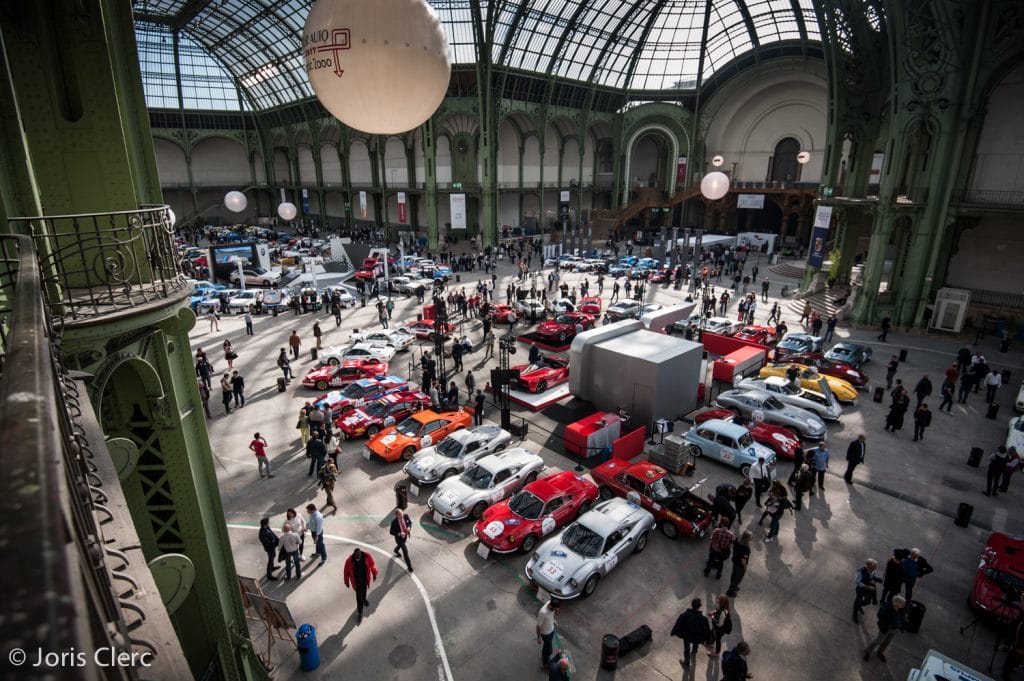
{"x": 452, "y": 492}
{"x": 556, "y": 564}
{"x": 317, "y": 374}
{"x": 498, "y": 520}
{"x": 428, "y": 461}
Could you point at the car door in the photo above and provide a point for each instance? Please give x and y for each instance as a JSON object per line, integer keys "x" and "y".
{"x": 636, "y": 491}
{"x": 471, "y": 451}
{"x": 726, "y": 449}
{"x": 503, "y": 484}
{"x": 556, "y": 513}
{"x": 708, "y": 445}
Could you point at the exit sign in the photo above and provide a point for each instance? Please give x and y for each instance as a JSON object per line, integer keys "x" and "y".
{"x": 456, "y": 185}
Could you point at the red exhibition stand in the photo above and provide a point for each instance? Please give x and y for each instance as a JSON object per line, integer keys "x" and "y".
{"x": 592, "y": 435}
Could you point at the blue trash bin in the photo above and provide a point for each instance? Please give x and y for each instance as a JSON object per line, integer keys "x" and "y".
{"x": 309, "y": 652}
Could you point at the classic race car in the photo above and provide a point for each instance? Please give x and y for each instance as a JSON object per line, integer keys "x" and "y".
{"x": 549, "y": 371}
{"x": 722, "y": 325}
{"x": 1015, "y": 434}
{"x": 765, "y": 335}
{"x": 779, "y": 439}
{"x": 571, "y": 563}
{"x": 770, "y": 409}
{"x": 563, "y": 327}
{"x": 419, "y": 430}
{"x": 451, "y": 455}
{"x": 794, "y": 343}
{"x": 853, "y": 354}
{"x": 999, "y": 581}
{"x": 729, "y": 443}
{"x": 358, "y": 393}
{"x": 399, "y": 339}
{"x": 336, "y": 355}
{"x": 530, "y": 309}
{"x": 590, "y": 305}
{"x": 820, "y": 402}
{"x": 829, "y": 367}
{"x": 426, "y": 330}
{"x": 676, "y": 509}
{"x": 490, "y": 480}
{"x": 499, "y": 312}
{"x": 338, "y": 376}
{"x": 809, "y": 378}
{"x": 381, "y": 413}
{"x": 534, "y": 512}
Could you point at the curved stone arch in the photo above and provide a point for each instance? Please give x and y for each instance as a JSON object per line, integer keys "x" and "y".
{"x": 524, "y": 121}
{"x": 108, "y": 388}
{"x": 628, "y": 149}
{"x": 806, "y": 138}
{"x": 170, "y": 138}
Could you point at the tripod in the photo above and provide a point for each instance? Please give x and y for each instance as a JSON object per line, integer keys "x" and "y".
{"x": 1006, "y": 613}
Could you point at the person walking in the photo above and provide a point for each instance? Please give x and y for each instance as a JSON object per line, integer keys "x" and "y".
{"x": 328, "y": 476}
{"x": 285, "y": 365}
{"x": 821, "y": 457}
{"x": 258, "y": 446}
{"x": 316, "y": 452}
{"x": 946, "y": 390}
{"x": 923, "y": 389}
{"x": 734, "y": 663}
{"x": 866, "y": 580}
{"x": 805, "y": 314}
{"x": 804, "y": 485}
{"x": 478, "y": 408}
{"x": 719, "y": 548}
{"x": 302, "y": 424}
{"x": 317, "y": 334}
{"x": 854, "y": 457}
{"x": 693, "y": 627}
{"x": 966, "y": 381}
{"x": 456, "y": 357}
{"x": 488, "y": 341}
{"x": 890, "y": 371}
{"x": 238, "y": 388}
{"x": 204, "y": 370}
{"x": 891, "y": 619}
{"x": 886, "y": 325}
{"x": 269, "y": 542}
{"x": 830, "y": 327}
{"x": 226, "y": 392}
{"x": 900, "y": 404}
{"x": 892, "y": 582}
{"x": 295, "y": 342}
{"x": 740, "y": 498}
{"x": 764, "y": 290}
{"x": 290, "y": 543}
{"x": 993, "y": 379}
{"x": 204, "y": 397}
{"x": 558, "y": 669}
{"x": 315, "y": 525}
{"x": 1011, "y": 466}
{"x": 761, "y": 476}
{"x": 775, "y": 507}
{"x": 546, "y": 630}
{"x": 922, "y": 419}
{"x": 359, "y": 571}
{"x": 996, "y": 467}
{"x": 721, "y": 624}
{"x": 214, "y": 319}
{"x": 740, "y": 558}
{"x": 401, "y": 528}
{"x": 247, "y": 318}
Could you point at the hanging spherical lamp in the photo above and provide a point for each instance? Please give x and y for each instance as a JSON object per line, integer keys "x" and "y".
{"x": 287, "y": 211}
{"x": 379, "y": 66}
{"x": 715, "y": 185}
{"x": 235, "y": 201}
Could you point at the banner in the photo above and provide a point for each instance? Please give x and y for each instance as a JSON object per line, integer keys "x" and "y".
{"x": 752, "y": 201}
{"x": 305, "y": 202}
{"x": 457, "y": 203}
{"x": 564, "y": 197}
{"x": 819, "y": 236}
{"x": 362, "y": 205}
{"x": 680, "y": 171}
{"x": 876, "y": 169}
{"x": 401, "y": 208}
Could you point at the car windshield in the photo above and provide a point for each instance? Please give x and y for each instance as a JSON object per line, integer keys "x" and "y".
{"x": 409, "y": 427}
{"x": 583, "y": 540}
{"x": 477, "y": 478}
{"x": 665, "y": 489}
{"x": 564, "y": 319}
{"x": 772, "y": 403}
{"x": 449, "y": 447}
{"x": 525, "y": 505}
{"x": 746, "y": 440}
{"x": 789, "y": 389}
{"x": 1019, "y": 425}
{"x": 377, "y": 409}
{"x": 353, "y": 391}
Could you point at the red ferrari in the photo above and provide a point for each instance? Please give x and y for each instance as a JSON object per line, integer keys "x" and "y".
{"x": 535, "y": 511}
{"x": 329, "y": 376}
{"x": 547, "y": 372}
{"x": 500, "y": 312}
{"x": 752, "y": 333}
{"x": 781, "y": 440}
{"x": 367, "y": 274}
{"x": 847, "y": 372}
{"x": 590, "y": 305}
{"x": 563, "y": 327}
{"x": 424, "y": 330}
{"x": 1000, "y": 578}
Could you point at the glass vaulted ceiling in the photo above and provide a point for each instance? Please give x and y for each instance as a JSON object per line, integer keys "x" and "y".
{"x": 631, "y": 45}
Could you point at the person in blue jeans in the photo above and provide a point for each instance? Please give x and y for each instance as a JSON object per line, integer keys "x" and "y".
{"x": 315, "y": 525}
{"x": 821, "y": 463}
{"x": 546, "y": 630}
{"x": 290, "y": 542}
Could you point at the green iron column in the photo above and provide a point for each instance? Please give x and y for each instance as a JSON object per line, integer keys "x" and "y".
{"x": 430, "y": 181}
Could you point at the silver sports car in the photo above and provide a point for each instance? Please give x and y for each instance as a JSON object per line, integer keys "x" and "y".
{"x": 846, "y": 352}
{"x": 450, "y": 456}
{"x": 771, "y": 410}
{"x": 825, "y": 405}
{"x": 492, "y": 479}
{"x": 571, "y": 563}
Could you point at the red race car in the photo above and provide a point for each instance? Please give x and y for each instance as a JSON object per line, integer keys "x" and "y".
{"x": 329, "y": 376}
{"x": 677, "y": 509}
{"x": 780, "y": 440}
{"x": 391, "y": 408}
{"x": 847, "y": 372}
{"x": 1000, "y": 578}
{"x": 366, "y": 274}
{"x": 535, "y": 511}
{"x": 424, "y": 330}
{"x": 547, "y": 372}
{"x": 752, "y": 333}
{"x": 659, "y": 276}
{"x": 342, "y": 401}
{"x": 563, "y": 327}
{"x": 499, "y": 312}
{"x": 590, "y": 305}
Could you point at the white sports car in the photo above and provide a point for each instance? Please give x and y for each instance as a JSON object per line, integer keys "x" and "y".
{"x": 770, "y": 409}
{"x": 492, "y": 479}
{"x": 1015, "y": 435}
{"x": 398, "y": 338}
{"x": 824, "y": 404}
{"x": 453, "y": 454}
{"x": 336, "y": 355}
{"x": 571, "y": 563}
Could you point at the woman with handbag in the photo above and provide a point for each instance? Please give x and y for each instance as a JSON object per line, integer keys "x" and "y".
{"x": 229, "y": 353}
{"x": 721, "y": 624}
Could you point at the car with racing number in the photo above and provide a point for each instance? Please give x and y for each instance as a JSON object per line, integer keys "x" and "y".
{"x": 854, "y": 354}
{"x": 335, "y": 355}
{"x": 383, "y": 412}
{"x": 418, "y": 430}
{"x": 677, "y": 510}
{"x": 340, "y": 375}
{"x": 847, "y": 372}
{"x": 452, "y": 455}
{"x": 1015, "y": 434}
{"x": 754, "y": 333}
{"x": 426, "y": 329}
{"x": 571, "y": 563}
{"x": 722, "y": 325}
{"x": 488, "y": 481}
{"x": 399, "y": 338}
{"x": 769, "y": 408}
{"x": 820, "y": 402}
{"x": 534, "y": 512}
{"x": 729, "y": 443}
{"x": 779, "y": 439}
{"x": 545, "y": 373}
{"x": 810, "y": 379}
{"x": 358, "y": 393}
{"x": 795, "y": 343}
{"x": 999, "y": 581}
{"x": 530, "y": 309}
{"x": 563, "y": 327}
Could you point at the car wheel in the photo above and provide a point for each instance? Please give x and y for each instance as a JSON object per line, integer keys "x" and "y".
{"x": 432, "y": 337}
{"x": 745, "y": 471}
{"x": 590, "y": 584}
{"x": 372, "y": 430}
{"x": 266, "y": 282}
{"x": 606, "y": 493}
{"x": 669, "y": 529}
{"x": 408, "y": 452}
{"x": 641, "y": 543}
{"x": 542, "y": 386}
{"x": 529, "y": 541}
{"x": 334, "y": 361}
{"x": 450, "y": 473}
{"x": 478, "y": 509}
{"x": 348, "y": 408}
{"x": 561, "y": 336}
{"x": 531, "y": 477}
{"x": 321, "y": 385}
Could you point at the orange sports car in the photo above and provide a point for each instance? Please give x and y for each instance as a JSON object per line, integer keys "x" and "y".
{"x": 421, "y": 429}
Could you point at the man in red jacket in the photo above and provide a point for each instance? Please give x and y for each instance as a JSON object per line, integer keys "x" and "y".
{"x": 359, "y": 571}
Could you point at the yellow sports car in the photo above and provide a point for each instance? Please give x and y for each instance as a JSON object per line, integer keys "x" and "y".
{"x": 809, "y": 376}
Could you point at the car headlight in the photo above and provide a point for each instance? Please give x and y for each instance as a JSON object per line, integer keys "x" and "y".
{"x": 536, "y": 556}
{"x": 462, "y": 507}
{"x": 573, "y": 583}
{"x": 812, "y": 423}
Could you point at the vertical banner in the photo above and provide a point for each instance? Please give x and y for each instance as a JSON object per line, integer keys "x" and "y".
{"x": 876, "y": 169}
{"x": 680, "y": 171}
{"x": 819, "y": 236}
{"x": 305, "y": 202}
{"x": 457, "y": 203}
{"x": 563, "y": 210}
{"x": 401, "y": 208}
{"x": 283, "y": 199}
{"x": 362, "y": 205}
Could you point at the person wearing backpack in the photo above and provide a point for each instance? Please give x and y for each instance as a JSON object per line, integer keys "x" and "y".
{"x": 693, "y": 627}
{"x": 721, "y": 624}
{"x": 734, "y": 663}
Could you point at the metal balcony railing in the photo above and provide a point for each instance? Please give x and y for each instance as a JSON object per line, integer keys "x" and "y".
{"x": 100, "y": 264}
{"x": 990, "y": 198}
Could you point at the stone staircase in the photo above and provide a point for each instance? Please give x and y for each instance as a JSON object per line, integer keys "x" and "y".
{"x": 823, "y": 301}
{"x": 604, "y": 222}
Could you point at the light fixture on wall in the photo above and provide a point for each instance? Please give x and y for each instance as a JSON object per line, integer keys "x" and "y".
{"x": 714, "y": 185}
{"x": 803, "y": 157}
{"x": 235, "y": 201}
{"x": 717, "y": 161}
{"x": 171, "y": 217}
{"x": 287, "y": 211}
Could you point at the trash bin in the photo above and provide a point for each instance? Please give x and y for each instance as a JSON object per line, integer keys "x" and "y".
{"x": 963, "y": 515}
{"x": 915, "y": 616}
{"x": 773, "y": 259}
{"x": 401, "y": 496}
{"x": 610, "y": 652}
{"x": 974, "y": 458}
{"x": 458, "y": 278}
{"x": 282, "y": 384}
{"x": 879, "y": 394}
{"x": 993, "y": 411}
{"x": 309, "y": 652}
{"x": 312, "y": 354}
{"x": 903, "y": 355}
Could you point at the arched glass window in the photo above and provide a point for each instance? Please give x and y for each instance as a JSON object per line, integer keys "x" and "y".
{"x": 784, "y": 164}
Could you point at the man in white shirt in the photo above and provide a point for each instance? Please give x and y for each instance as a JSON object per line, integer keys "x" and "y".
{"x": 290, "y": 541}
{"x": 315, "y": 525}
{"x": 546, "y": 630}
{"x": 760, "y": 474}
{"x": 993, "y": 380}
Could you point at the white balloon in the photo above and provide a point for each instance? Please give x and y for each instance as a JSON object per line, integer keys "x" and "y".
{"x": 235, "y": 201}
{"x": 714, "y": 185}
{"x": 380, "y": 66}
{"x": 171, "y": 216}
{"x": 287, "y": 211}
